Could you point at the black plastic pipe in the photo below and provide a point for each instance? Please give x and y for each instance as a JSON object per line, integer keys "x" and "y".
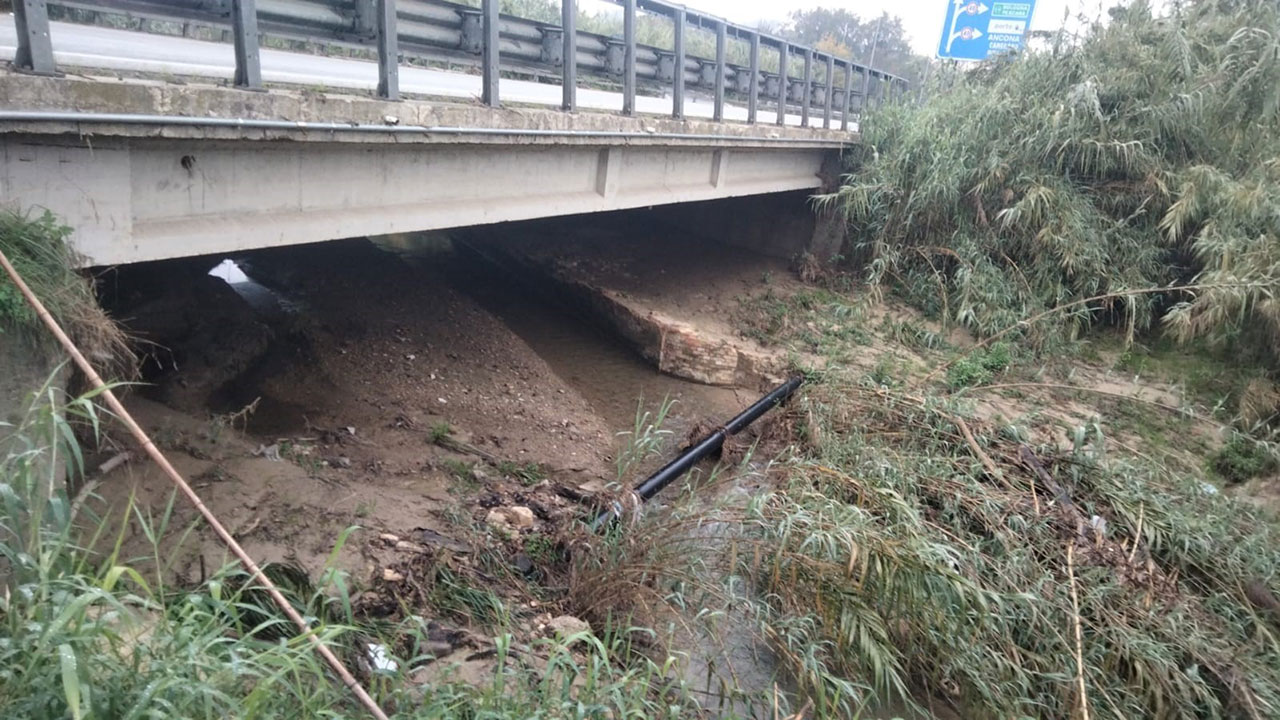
{"x": 708, "y": 445}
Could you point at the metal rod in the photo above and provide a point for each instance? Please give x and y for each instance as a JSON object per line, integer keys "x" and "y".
{"x": 808, "y": 87}
{"x": 629, "y": 57}
{"x": 35, "y": 47}
{"x": 753, "y": 92}
{"x": 338, "y": 127}
{"x": 158, "y": 457}
{"x": 784, "y": 83}
{"x": 569, "y": 24}
{"x": 244, "y": 30}
{"x": 848, "y": 96}
{"x": 712, "y": 443}
{"x": 677, "y": 83}
{"x": 831, "y": 93}
{"x": 490, "y": 50}
{"x": 722, "y": 49}
{"x": 388, "y": 51}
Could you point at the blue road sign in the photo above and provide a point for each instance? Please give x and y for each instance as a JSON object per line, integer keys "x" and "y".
{"x": 978, "y": 29}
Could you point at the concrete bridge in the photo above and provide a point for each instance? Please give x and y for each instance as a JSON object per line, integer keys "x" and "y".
{"x": 147, "y": 156}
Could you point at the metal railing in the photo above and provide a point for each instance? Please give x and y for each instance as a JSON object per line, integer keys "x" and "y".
{"x": 431, "y": 29}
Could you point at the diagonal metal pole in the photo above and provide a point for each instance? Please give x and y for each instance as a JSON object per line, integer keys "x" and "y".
{"x": 158, "y": 457}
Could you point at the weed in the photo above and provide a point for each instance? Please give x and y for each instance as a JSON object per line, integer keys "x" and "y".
{"x": 645, "y": 439}
{"x": 979, "y": 367}
{"x": 87, "y": 635}
{"x": 1242, "y": 458}
{"x": 440, "y": 431}
{"x": 37, "y": 249}
{"x": 541, "y": 549}
{"x": 529, "y": 473}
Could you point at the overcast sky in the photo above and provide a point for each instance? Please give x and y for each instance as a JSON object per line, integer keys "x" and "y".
{"x": 921, "y": 18}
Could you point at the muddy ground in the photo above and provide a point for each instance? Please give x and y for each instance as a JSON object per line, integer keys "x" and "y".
{"x": 437, "y": 411}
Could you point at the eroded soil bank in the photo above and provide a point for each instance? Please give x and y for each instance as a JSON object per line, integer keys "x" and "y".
{"x": 461, "y": 412}
{"x": 434, "y": 415}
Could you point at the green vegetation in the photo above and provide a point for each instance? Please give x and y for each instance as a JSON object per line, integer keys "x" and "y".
{"x": 36, "y": 247}
{"x": 1242, "y": 458}
{"x": 1097, "y": 176}
{"x": 899, "y": 563}
{"x": 529, "y": 473}
{"x": 93, "y": 634}
{"x": 813, "y": 319}
{"x": 979, "y": 366}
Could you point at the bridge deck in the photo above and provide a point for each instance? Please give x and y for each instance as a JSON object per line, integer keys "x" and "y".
{"x": 84, "y": 46}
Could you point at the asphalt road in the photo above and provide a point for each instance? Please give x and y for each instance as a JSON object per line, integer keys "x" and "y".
{"x": 90, "y": 47}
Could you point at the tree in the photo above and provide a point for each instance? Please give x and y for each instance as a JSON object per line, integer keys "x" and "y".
{"x": 845, "y": 34}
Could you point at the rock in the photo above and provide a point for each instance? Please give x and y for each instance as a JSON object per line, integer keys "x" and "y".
{"x": 567, "y": 625}
{"x": 497, "y": 519}
{"x": 523, "y": 563}
{"x": 520, "y": 516}
{"x": 405, "y": 546}
{"x": 391, "y": 575}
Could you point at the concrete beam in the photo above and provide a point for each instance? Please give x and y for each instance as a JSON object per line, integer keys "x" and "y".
{"x": 135, "y": 199}
{"x": 152, "y": 97}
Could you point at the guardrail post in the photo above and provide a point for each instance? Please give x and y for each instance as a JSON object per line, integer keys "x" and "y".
{"x": 831, "y": 92}
{"x": 35, "y": 47}
{"x": 388, "y": 51}
{"x": 490, "y": 52}
{"x": 753, "y": 89}
{"x": 677, "y": 84}
{"x": 784, "y": 84}
{"x": 629, "y": 57}
{"x": 244, "y": 32}
{"x": 866, "y": 90}
{"x": 569, "y": 74}
{"x": 848, "y": 96}
{"x": 722, "y": 49}
{"x": 808, "y": 87}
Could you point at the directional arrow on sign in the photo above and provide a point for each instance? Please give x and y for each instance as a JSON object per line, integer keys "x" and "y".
{"x": 974, "y": 8}
{"x": 968, "y": 33}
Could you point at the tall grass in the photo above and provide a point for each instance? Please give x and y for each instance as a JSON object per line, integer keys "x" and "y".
{"x": 37, "y": 248}
{"x": 1141, "y": 156}
{"x": 87, "y": 633}
{"x": 895, "y": 559}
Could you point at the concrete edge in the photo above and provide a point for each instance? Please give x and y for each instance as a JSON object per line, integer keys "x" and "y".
{"x": 106, "y": 95}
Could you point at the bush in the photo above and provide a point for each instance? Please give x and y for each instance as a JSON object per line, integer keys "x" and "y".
{"x": 38, "y": 251}
{"x": 979, "y": 367}
{"x": 1084, "y": 176}
{"x": 1242, "y": 458}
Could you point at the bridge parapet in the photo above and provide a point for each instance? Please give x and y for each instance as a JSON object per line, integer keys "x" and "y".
{"x": 394, "y": 30}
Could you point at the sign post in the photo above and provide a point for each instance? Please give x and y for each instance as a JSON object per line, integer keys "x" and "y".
{"x": 978, "y": 29}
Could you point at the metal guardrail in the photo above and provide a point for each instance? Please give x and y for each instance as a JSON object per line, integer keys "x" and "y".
{"x": 431, "y": 28}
